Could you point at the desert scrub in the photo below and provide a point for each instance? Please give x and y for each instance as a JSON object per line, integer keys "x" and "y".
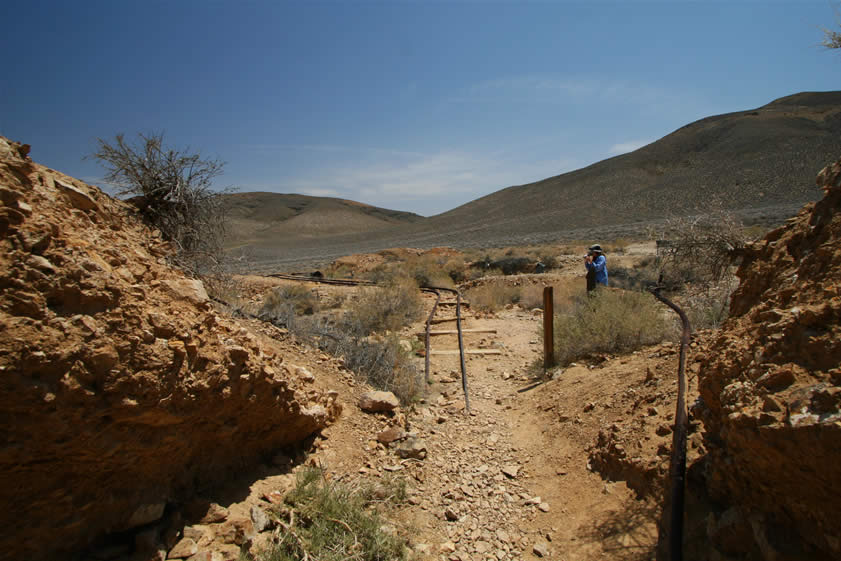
{"x": 364, "y": 336}
{"x": 564, "y": 291}
{"x": 492, "y": 296}
{"x": 284, "y": 303}
{"x": 609, "y": 321}
{"x": 709, "y": 307}
{"x": 390, "y": 307}
{"x": 332, "y": 521}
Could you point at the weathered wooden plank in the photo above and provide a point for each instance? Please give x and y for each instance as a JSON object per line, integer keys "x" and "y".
{"x": 455, "y": 332}
{"x": 468, "y": 352}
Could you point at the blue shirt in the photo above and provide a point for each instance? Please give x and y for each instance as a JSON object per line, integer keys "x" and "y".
{"x": 599, "y": 265}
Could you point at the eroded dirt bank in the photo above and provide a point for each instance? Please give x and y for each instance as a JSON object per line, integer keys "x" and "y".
{"x": 121, "y": 390}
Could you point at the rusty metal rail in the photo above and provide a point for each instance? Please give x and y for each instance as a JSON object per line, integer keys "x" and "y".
{"x": 321, "y": 280}
{"x": 436, "y": 289}
{"x": 677, "y": 464}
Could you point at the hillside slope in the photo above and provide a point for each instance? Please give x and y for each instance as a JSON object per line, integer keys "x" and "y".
{"x": 261, "y": 218}
{"x": 763, "y": 157}
{"x": 761, "y": 162}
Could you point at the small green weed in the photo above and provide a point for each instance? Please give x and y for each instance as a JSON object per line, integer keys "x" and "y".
{"x": 333, "y": 522}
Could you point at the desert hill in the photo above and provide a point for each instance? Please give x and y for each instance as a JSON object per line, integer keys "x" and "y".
{"x": 261, "y": 216}
{"x": 761, "y": 162}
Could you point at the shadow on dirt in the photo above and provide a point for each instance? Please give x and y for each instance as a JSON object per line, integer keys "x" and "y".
{"x": 627, "y": 534}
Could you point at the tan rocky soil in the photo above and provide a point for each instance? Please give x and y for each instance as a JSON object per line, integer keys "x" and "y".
{"x": 536, "y": 468}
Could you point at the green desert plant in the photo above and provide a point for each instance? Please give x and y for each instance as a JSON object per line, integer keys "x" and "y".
{"x": 332, "y": 521}
{"x": 609, "y": 321}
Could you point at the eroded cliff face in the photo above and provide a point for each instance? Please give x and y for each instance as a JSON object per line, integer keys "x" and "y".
{"x": 121, "y": 389}
{"x": 771, "y": 387}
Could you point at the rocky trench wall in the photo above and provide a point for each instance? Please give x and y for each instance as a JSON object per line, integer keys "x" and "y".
{"x": 771, "y": 391}
{"x": 121, "y": 390}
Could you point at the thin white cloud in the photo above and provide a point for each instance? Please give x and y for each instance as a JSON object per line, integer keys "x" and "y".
{"x": 428, "y": 183}
{"x": 629, "y": 146}
{"x": 332, "y": 148}
{"x": 320, "y": 192}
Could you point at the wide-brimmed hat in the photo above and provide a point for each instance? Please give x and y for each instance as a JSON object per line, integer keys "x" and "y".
{"x": 596, "y": 248}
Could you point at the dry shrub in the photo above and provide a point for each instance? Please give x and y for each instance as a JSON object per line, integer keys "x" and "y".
{"x": 709, "y": 307}
{"x": 609, "y": 321}
{"x": 364, "y": 336}
{"x": 174, "y": 191}
{"x": 284, "y": 303}
{"x": 563, "y": 293}
{"x": 387, "y": 308}
{"x": 701, "y": 248}
{"x": 492, "y": 296}
{"x": 426, "y": 270}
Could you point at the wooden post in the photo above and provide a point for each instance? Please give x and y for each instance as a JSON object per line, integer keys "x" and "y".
{"x": 548, "y": 328}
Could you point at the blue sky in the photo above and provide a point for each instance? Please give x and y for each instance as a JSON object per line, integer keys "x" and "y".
{"x": 411, "y": 105}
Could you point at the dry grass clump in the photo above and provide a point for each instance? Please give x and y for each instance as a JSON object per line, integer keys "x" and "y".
{"x": 492, "y": 296}
{"x": 564, "y": 291}
{"x": 284, "y": 303}
{"x": 332, "y": 521}
{"x": 609, "y": 321}
{"x": 386, "y": 308}
{"x": 365, "y": 336}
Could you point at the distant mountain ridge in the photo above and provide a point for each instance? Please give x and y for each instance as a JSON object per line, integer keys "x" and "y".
{"x": 257, "y": 217}
{"x": 761, "y": 162}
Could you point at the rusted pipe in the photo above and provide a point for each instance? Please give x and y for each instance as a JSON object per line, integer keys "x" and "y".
{"x": 428, "y": 326}
{"x": 677, "y": 465}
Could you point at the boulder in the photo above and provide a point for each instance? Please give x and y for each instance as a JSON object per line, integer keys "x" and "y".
{"x": 378, "y": 401}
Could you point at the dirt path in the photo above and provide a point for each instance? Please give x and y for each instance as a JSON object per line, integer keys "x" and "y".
{"x": 510, "y": 481}
{"x": 534, "y": 471}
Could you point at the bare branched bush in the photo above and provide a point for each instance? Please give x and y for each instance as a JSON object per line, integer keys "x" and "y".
{"x": 831, "y": 39}
{"x": 709, "y": 309}
{"x": 700, "y": 248}
{"x": 173, "y": 190}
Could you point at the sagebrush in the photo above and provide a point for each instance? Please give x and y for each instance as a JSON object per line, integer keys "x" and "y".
{"x": 609, "y": 321}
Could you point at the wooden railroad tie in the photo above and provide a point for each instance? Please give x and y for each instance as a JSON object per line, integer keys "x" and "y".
{"x": 455, "y": 332}
{"x": 468, "y": 352}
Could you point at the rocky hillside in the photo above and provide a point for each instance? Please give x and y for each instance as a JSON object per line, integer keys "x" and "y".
{"x": 122, "y": 391}
{"x": 771, "y": 391}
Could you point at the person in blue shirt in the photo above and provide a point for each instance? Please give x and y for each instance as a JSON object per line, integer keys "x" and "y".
{"x": 596, "y": 264}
